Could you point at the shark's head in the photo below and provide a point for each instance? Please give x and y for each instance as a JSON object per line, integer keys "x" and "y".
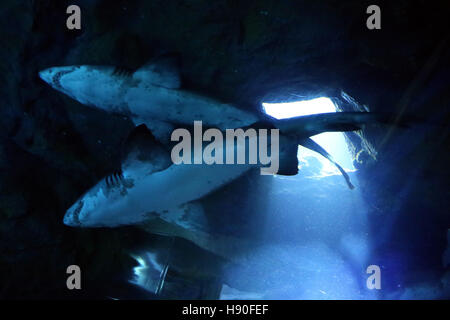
{"x": 63, "y": 79}
{"x": 82, "y": 212}
{"x": 101, "y": 206}
{"x": 95, "y": 86}
{"x": 71, "y": 218}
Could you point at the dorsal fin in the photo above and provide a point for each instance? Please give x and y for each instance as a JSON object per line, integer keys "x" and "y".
{"x": 162, "y": 72}
{"x": 141, "y": 146}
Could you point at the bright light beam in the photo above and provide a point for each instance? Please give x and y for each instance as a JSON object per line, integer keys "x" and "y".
{"x": 333, "y": 142}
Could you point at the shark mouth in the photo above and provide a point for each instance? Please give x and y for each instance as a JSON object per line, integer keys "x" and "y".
{"x": 72, "y": 216}
{"x": 57, "y": 77}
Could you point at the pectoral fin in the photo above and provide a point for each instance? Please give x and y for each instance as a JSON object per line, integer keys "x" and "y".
{"x": 161, "y": 72}
{"x": 161, "y": 130}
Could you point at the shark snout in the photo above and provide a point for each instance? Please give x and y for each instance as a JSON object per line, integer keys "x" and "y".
{"x": 46, "y": 75}
{"x": 71, "y": 218}
{"x": 53, "y": 75}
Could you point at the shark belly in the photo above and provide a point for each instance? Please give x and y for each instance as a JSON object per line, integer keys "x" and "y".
{"x": 180, "y": 184}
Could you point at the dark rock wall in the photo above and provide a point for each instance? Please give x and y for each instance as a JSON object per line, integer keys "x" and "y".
{"x": 52, "y": 148}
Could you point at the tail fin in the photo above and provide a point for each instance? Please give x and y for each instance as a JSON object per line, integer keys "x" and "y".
{"x": 312, "y": 145}
{"x": 307, "y": 126}
{"x": 302, "y": 128}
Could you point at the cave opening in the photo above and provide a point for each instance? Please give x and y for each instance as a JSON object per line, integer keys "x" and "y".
{"x": 333, "y": 142}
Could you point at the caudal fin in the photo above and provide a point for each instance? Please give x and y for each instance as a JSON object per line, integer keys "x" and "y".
{"x": 312, "y": 145}
{"x": 300, "y": 129}
{"x": 307, "y": 126}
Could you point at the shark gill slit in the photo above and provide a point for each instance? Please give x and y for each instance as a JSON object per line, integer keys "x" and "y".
{"x": 114, "y": 179}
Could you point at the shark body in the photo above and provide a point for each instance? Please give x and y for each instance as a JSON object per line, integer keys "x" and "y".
{"x": 151, "y": 95}
{"x": 165, "y": 198}
{"x": 150, "y": 186}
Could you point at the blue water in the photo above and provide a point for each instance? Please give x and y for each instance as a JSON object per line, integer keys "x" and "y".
{"x": 312, "y": 248}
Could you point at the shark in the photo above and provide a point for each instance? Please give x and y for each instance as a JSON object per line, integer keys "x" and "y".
{"x": 152, "y": 192}
{"x": 152, "y": 95}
